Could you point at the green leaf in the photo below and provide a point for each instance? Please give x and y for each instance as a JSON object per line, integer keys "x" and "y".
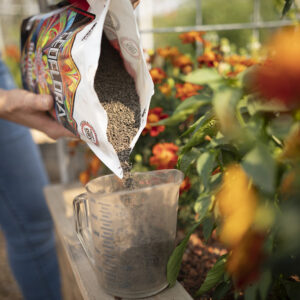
{"x": 292, "y": 289}
{"x": 202, "y": 205}
{"x": 208, "y": 226}
{"x": 202, "y": 120}
{"x": 187, "y": 159}
{"x": 185, "y": 109}
{"x": 203, "y": 76}
{"x": 287, "y": 7}
{"x": 251, "y": 292}
{"x": 193, "y": 103}
{"x": 205, "y": 163}
{"x": 213, "y": 277}
{"x": 225, "y": 101}
{"x": 221, "y": 290}
{"x": 210, "y": 128}
{"x": 175, "y": 259}
{"x": 264, "y": 284}
{"x": 261, "y": 168}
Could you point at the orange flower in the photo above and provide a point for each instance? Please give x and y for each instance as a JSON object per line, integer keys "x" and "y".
{"x": 181, "y": 61}
{"x": 186, "y": 90}
{"x": 157, "y": 75}
{"x": 240, "y": 60}
{"x": 164, "y": 156}
{"x": 185, "y": 185}
{"x": 237, "y": 205}
{"x": 245, "y": 259}
{"x": 209, "y": 58}
{"x": 166, "y": 89}
{"x": 154, "y": 115}
{"x": 168, "y": 52}
{"x": 94, "y": 165}
{"x": 84, "y": 177}
{"x": 192, "y": 37}
{"x": 279, "y": 77}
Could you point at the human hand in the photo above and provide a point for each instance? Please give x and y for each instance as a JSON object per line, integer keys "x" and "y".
{"x": 135, "y": 3}
{"x": 30, "y": 110}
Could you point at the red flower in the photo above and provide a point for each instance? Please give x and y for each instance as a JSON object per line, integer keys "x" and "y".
{"x": 164, "y": 156}
{"x": 155, "y": 114}
{"x": 186, "y": 90}
{"x": 185, "y": 185}
{"x": 278, "y": 78}
{"x": 157, "y": 75}
{"x": 209, "y": 59}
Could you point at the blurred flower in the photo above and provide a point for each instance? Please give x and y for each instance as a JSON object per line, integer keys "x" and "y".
{"x": 182, "y": 61}
{"x": 155, "y": 114}
{"x": 84, "y": 177}
{"x": 164, "y": 156}
{"x": 165, "y": 89}
{"x": 192, "y": 37}
{"x": 12, "y": 52}
{"x": 245, "y": 259}
{"x": 209, "y": 59}
{"x": 168, "y": 52}
{"x": 278, "y": 78}
{"x": 94, "y": 165}
{"x": 237, "y": 204}
{"x": 240, "y": 60}
{"x": 185, "y": 185}
{"x": 186, "y": 90}
{"x": 239, "y": 64}
{"x": 157, "y": 75}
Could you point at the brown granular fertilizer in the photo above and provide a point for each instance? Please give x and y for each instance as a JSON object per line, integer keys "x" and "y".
{"x": 116, "y": 91}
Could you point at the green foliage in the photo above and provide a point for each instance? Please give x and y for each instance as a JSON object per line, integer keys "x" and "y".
{"x": 261, "y": 168}
{"x": 287, "y": 7}
{"x": 205, "y": 163}
{"x": 229, "y": 127}
{"x": 175, "y": 259}
{"x": 214, "y": 276}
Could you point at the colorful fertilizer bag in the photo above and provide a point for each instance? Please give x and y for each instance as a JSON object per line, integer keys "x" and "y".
{"x": 91, "y": 61}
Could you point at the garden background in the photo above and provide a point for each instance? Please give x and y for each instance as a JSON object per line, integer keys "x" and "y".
{"x": 225, "y": 112}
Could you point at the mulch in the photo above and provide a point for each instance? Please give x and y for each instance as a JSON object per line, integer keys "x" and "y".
{"x": 197, "y": 260}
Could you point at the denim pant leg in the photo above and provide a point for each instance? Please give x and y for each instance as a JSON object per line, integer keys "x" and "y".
{"x": 24, "y": 215}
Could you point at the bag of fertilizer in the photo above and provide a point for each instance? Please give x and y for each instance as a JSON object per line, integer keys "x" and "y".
{"x": 91, "y": 61}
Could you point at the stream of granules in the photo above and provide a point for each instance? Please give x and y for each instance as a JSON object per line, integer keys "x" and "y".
{"x": 116, "y": 91}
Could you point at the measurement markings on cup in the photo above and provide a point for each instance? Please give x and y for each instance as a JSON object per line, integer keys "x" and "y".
{"x": 107, "y": 241}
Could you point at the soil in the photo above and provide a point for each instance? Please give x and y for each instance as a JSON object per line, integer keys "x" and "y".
{"x": 132, "y": 263}
{"x": 198, "y": 259}
{"x": 116, "y": 91}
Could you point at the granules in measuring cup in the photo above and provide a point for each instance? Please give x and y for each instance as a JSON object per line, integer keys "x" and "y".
{"x": 117, "y": 93}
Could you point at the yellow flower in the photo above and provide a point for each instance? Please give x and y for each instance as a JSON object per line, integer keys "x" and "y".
{"x": 237, "y": 204}
{"x": 165, "y": 89}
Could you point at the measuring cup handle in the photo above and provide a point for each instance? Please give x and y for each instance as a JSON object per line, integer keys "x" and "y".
{"x": 82, "y": 225}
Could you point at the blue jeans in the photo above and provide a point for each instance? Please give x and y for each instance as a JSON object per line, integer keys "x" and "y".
{"x": 24, "y": 215}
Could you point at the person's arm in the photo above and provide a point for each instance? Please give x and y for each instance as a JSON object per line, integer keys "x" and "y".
{"x": 30, "y": 110}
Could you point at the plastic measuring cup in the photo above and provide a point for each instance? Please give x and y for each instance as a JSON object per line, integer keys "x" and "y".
{"x": 129, "y": 235}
